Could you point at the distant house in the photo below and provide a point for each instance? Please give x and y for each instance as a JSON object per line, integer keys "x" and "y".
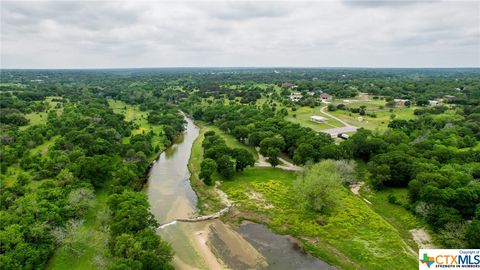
{"x": 325, "y": 96}
{"x": 400, "y": 102}
{"x": 296, "y": 96}
{"x": 343, "y": 136}
{"x": 318, "y": 119}
{"x": 433, "y": 102}
{"x": 289, "y": 85}
{"x": 449, "y": 97}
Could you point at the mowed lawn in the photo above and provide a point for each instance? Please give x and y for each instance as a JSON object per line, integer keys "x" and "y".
{"x": 383, "y": 116}
{"x": 302, "y": 117}
{"x": 353, "y": 236}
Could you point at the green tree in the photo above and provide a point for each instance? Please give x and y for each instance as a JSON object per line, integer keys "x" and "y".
{"x": 304, "y": 153}
{"x": 318, "y": 187}
{"x": 276, "y": 141}
{"x": 208, "y": 167}
{"x": 225, "y": 166}
{"x": 243, "y": 158}
{"x": 473, "y": 234}
{"x": 272, "y": 154}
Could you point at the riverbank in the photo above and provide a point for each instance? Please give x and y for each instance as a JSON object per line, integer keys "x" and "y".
{"x": 86, "y": 241}
{"x": 208, "y": 200}
{"x": 353, "y": 236}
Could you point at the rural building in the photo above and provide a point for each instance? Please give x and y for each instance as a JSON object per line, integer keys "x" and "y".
{"x": 296, "y": 96}
{"x": 318, "y": 119}
{"x": 449, "y": 97}
{"x": 343, "y": 136}
{"x": 433, "y": 102}
{"x": 400, "y": 102}
{"x": 325, "y": 96}
{"x": 289, "y": 85}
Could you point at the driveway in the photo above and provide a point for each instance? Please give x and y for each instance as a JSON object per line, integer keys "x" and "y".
{"x": 335, "y": 131}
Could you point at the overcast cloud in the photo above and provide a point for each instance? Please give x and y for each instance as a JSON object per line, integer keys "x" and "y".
{"x": 336, "y": 33}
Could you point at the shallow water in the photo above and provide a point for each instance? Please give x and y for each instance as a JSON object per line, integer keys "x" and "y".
{"x": 208, "y": 244}
{"x": 279, "y": 251}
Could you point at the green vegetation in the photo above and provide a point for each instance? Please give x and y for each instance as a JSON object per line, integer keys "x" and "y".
{"x": 59, "y": 173}
{"x": 390, "y": 204}
{"x": 302, "y": 116}
{"x": 351, "y": 236}
{"x": 140, "y": 123}
{"x": 75, "y": 147}
{"x": 208, "y": 199}
{"x": 86, "y": 241}
{"x": 373, "y": 107}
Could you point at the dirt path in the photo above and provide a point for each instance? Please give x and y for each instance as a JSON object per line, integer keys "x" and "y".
{"x": 288, "y": 166}
{"x": 422, "y": 238}
{"x": 355, "y": 188}
{"x": 335, "y": 131}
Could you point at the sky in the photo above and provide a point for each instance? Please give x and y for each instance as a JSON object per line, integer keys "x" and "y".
{"x": 328, "y": 33}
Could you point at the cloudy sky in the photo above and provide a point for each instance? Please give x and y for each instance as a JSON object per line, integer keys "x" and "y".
{"x": 329, "y": 33}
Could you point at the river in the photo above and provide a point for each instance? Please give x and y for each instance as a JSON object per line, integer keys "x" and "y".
{"x": 211, "y": 244}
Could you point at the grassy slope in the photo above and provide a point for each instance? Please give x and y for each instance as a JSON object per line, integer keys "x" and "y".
{"x": 402, "y": 219}
{"x": 352, "y": 237}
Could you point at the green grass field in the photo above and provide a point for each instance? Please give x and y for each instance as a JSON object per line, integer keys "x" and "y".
{"x": 372, "y": 106}
{"x": 402, "y": 219}
{"x": 43, "y": 148}
{"x": 18, "y": 85}
{"x": 40, "y": 118}
{"x": 133, "y": 114}
{"x": 302, "y": 117}
{"x": 354, "y": 236}
{"x": 264, "y": 195}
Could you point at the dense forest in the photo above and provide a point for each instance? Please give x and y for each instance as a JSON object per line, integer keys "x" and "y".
{"x": 63, "y": 143}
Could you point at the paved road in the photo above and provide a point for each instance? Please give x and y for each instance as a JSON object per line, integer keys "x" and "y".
{"x": 335, "y": 131}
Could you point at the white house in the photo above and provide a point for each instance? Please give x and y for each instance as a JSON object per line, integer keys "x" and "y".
{"x": 295, "y": 96}
{"x": 400, "y": 101}
{"x": 318, "y": 119}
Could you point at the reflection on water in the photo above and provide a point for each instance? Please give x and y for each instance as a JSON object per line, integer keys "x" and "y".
{"x": 280, "y": 251}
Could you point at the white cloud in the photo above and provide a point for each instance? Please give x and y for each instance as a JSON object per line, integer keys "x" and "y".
{"x": 56, "y": 34}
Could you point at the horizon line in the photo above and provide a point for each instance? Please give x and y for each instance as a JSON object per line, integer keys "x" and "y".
{"x": 241, "y": 67}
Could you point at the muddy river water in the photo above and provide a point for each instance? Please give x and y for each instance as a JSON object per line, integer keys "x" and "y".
{"x": 211, "y": 244}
